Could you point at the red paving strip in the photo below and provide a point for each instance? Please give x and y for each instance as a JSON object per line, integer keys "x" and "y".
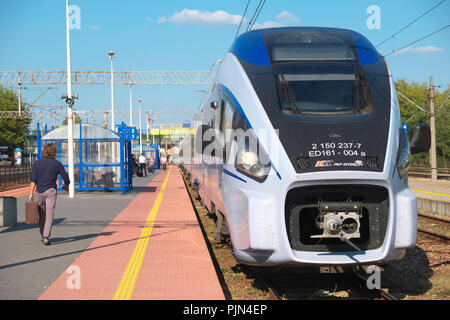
{"x": 18, "y": 193}
{"x": 176, "y": 264}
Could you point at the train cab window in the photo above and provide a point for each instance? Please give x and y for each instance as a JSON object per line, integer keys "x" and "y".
{"x": 323, "y": 93}
{"x": 319, "y": 74}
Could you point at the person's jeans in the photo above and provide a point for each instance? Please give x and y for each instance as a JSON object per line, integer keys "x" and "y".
{"x": 143, "y": 169}
{"x": 47, "y": 203}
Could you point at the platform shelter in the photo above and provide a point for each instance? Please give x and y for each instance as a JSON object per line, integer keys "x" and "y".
{"x": 102, "y": 158}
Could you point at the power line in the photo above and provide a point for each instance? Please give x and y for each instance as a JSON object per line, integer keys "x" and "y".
{"x": 411, "y": 43}
{"x": 254, "y": 20}
{"x": 443, "y": 103}
{"x": 254, "y": 14}
{"x": 242, "y": 19}
{"x": 409, "y": 24}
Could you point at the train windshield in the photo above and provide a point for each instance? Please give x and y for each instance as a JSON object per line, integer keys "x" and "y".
{"x": 312, "y": 52}
{"x": 321, "y": 88}
{"x": 318, "y": 74}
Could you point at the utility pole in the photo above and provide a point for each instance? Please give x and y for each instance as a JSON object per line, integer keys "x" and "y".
{"x": 42, "y": 123}
{"x": 20, "y": 97}
{"x": 433, "y": 133}
{"x": 131, "y": 106}
{"x": 105, "y": 118}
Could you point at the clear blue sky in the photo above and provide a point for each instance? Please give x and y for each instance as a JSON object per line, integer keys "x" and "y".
{"x": 176, "y": 35}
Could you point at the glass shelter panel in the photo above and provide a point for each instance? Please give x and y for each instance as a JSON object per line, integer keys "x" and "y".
{"x": 97, "y": 157}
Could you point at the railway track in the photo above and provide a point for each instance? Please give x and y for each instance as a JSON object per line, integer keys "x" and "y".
{"x": 290, "y": 284}
{"x": 283, "y": 289}
{"x": 437, "y": 227}
{"x": 424, "y": 172}
{"x": 293, "y": 283}
{"x": 299, "y": 284}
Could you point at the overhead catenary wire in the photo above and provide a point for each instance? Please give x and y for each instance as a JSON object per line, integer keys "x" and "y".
{"x": 411, "y": 43}
{"x": 257, "y": 15}
{"x": 254, "y": 14}
{"x": 410, "y": 23}
{"x": 443, "y": 103}
{"x": 242, "y": 19}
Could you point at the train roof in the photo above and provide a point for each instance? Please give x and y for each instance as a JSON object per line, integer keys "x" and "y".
{"x": 251, "y": 46}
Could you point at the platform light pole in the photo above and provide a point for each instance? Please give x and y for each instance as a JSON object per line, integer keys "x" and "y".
{"x": 131, "y": 106}
{"x": 69, "y": 101}
{"x": 140, "y": 127}
{"x": 111, "y": 56}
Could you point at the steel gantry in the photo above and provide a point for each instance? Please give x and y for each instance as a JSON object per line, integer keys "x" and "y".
{"x": 104, "y": 77}
{"x": 121, "y": 113}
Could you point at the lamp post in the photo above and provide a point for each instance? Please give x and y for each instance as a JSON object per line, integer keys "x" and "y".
{"x": 69, "y": 101}
{"x": 131, "y": 106}
{"x": 140, "y": 127}
{"x": 111, "y": 56}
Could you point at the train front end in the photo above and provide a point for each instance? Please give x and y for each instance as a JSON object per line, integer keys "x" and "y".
{"x": 327, "y": 185}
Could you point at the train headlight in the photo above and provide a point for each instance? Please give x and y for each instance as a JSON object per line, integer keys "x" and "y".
{"x": 250, "y": 159}
{"x": 404, "y": 155}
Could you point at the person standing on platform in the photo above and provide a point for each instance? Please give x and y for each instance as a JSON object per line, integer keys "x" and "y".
{"x": 134, "y": 165}
{"x": 164, "y": 161}
{"x": 142, "y": 165}
{"x": 43, "y": 188}
{"x": 152, "y": 164}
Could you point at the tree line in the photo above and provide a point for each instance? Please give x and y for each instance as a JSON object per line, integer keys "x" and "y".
{"x": 420, "y": 94}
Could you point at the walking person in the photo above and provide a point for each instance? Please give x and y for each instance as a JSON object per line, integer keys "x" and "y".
{"x": 43, "y": 188}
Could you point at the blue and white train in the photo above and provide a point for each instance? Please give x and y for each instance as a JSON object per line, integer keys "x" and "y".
{"x": 300, "y": 154}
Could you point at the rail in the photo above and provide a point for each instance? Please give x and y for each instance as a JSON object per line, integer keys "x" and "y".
{"x": 425, "y": 172}
{"x": 443, "y": 226}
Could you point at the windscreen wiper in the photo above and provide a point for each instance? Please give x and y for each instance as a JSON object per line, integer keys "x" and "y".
{"x": 292, "y": 106}
{"x": 356, "y": 87}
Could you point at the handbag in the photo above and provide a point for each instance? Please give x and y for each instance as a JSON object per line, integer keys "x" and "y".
{"x": 31, "y": 212}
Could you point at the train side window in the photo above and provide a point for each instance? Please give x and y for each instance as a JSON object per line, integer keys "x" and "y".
{"x": 227, "y": 115}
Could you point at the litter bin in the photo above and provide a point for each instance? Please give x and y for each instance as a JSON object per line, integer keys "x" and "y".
{"x": 8, "y": 211}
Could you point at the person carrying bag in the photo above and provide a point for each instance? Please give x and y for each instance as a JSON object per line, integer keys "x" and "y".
{"x": 43, "y": 188}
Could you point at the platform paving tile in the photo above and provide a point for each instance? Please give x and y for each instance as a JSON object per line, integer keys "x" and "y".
{"x": 176, "y": 264}
{"x": 27, "y": 267}
{"x": 102, "y": 264}
{"x": 430, "y": 189}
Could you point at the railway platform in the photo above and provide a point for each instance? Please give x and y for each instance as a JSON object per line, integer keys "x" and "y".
{"x": 143, "y": 245}
{"x": 432, "y": 195}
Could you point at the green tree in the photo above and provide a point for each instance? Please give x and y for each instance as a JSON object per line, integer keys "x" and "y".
{"x": 420, "y": 94}
{"x": 77, "y": 120}
{"x": 13, "y": 132}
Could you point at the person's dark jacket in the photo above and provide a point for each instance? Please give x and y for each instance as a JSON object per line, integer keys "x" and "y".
{"x": 45, "y": 173}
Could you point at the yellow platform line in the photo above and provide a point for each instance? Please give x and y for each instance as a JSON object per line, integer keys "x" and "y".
{"x": 437, "y": 194}
{"x": 126, "y": 287}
